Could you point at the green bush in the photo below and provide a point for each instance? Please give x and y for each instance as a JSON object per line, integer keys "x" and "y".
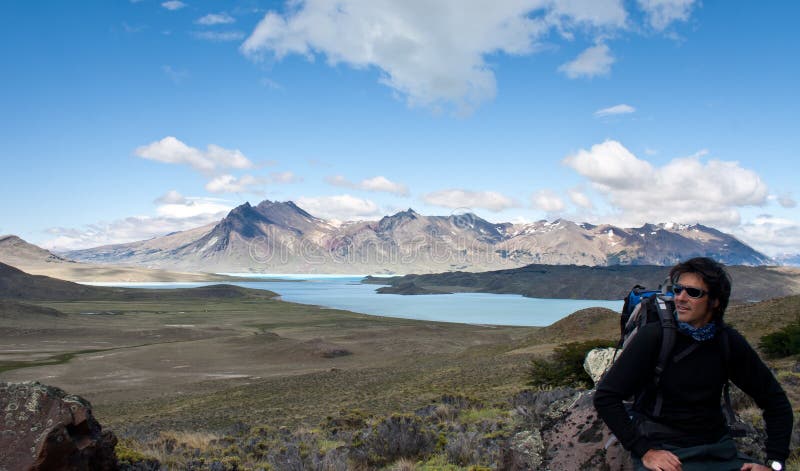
{"x": 565, "y": 367}
{"x": 782, "y": 343}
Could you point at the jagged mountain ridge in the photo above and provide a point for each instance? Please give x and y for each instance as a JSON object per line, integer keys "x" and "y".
{"x": 280, "y": 237}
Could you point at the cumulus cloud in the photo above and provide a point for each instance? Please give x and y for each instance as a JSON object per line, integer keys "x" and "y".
{"x": 231, "y": 184}
{"x": 547, "y": 200}
{"x": 173, "y": 151}
{"x": 592, "y": 62}
{"x": 219, "y": 36}
{"x": 339, "y": 207}
{"x": 614, "y": 110}
{"x": 173, "y": 5}
{"x": 662, "y": 13}
{"x": 378, "y": 184}
{"x": 685, "y": 190}
{"x": 456, "y": 198}
{"x": 171, "y": 217}
{"x": 770, "y": 234}
{"x": 432, "y": 53}
{"x": 215, "y": 19}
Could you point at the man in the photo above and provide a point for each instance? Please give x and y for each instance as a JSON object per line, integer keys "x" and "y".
{"x": 690, "y": 432}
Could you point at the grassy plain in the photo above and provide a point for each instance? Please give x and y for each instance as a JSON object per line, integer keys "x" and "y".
{"x": 206, "y": 363}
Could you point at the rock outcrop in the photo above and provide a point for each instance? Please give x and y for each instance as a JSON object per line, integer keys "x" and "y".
{"x": 43, "y": 429}
{"x": 563, "y": 432}
{"x": 580, "y": 440}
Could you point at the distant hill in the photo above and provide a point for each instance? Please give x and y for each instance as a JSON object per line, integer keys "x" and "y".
{"x": 281, "y": 237}
{"x": 15, "y": 251}
{"x": 18, "y": 285}
{"x": 579, "y": 282}
{"x": 35, "y": 260}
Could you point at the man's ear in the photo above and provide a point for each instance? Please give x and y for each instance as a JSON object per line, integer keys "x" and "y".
{"x": 714, "y": 305}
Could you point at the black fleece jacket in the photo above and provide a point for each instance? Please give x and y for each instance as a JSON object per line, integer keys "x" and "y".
{"x": 691, "y": 389}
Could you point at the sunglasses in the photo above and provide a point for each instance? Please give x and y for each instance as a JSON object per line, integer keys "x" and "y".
{"x": 695, "y": 293}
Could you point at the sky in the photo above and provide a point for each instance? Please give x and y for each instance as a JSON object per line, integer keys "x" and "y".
{"x": 122, "y": 120}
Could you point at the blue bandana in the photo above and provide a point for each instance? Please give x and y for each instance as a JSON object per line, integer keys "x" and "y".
{"x": 700, "y": 334}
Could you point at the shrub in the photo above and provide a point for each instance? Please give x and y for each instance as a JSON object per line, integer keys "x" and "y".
{"x": 782, "y": 343}
{"x": 565, "y": 367}
{"x": 397, "y": 436}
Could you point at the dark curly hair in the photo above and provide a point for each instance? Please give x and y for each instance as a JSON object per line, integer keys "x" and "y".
{"x": 714, "y": 276}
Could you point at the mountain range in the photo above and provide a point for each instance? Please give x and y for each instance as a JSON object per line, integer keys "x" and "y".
{"x": 281, "y": 237}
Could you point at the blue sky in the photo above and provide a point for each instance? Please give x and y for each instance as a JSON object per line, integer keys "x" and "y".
{"x": 121, "y": 120}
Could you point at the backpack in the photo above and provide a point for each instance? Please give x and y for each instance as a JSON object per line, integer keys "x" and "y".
{"x": 642, "y": 307}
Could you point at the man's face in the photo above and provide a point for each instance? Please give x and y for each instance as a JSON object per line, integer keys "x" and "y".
{"x": 694, "y": 311}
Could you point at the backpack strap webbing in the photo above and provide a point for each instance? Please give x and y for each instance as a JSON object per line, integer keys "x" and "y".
{"x": 668, "y": 329}
{"x": 727, "y": 408}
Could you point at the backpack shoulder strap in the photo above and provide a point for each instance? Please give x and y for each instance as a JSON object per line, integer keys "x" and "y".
{"x": 727, "y": 407}
{"x": 668, "y": 329}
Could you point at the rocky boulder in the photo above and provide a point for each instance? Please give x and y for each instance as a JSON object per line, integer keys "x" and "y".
{"x": 598, "y": 361}
{"x": 44, "y": 428}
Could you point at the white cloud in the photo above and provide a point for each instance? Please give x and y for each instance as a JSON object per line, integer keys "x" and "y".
{"x": 580, "y": 198}
{"x": 615, "y": 110}
{"x": 597, "y": 13}
{"x": 173, "y": 5}
{"x": 231, "y": 184}
{"x": 547, "y": 200}
{"x": 771, "y": 235}
{"x": 609, "y": 164}
{"x": 685, "y": 190}
{"x": 661, "y": 13}
{"x": 455, "y": 198}
{"x": 219, "y": 36}
{"x": 592, "y": 62}
{"x": 378, "y": 183}
{"x": 216, "y": 19}
{"x": 383, "y": 184}
{"x": 172, "y": 217}
{"x": 339, "y": 207}
{"x": 284, "y": 177}
{"x": 432, "y": 53}
{"x": 171, "y": 197}
{"x": 173, "y": 151}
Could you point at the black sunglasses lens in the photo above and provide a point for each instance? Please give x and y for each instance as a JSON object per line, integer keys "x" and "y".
{"x": 691, "y": 292}
{"x": 694, "y": 292}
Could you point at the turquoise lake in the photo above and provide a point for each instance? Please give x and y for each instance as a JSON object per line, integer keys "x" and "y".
{"x": 347, "y": 292}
